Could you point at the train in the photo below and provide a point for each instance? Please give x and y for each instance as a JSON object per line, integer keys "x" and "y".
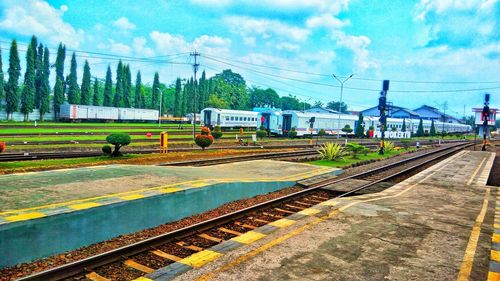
{"x": 280, "y": 122}
{"x": 95, "y": 113}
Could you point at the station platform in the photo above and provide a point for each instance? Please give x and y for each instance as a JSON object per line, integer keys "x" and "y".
{"x": 436, "y": 225}
{"x": 45, "y": 213}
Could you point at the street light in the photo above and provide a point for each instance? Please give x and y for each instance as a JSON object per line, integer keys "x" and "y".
{"x": 341, "y": 92}
{"x": 159, "y": 112}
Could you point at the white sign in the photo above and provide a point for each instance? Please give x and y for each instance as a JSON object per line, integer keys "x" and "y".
{"x": 393, "y": 135}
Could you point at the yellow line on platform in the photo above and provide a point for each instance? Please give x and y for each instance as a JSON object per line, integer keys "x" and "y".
{"x": 495, "y": 255}
{"x": 26, "y": 216}
{"x": 83, "y": 206}
{"x": 468, "y": 260}
{"x": 200, "y": 258}
{"x": 475, "y": 172}
{"x": 212, "y": 274}
{"x": 493, "y": 276}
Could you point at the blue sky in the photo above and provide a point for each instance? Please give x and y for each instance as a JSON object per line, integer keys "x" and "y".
{"x": 450, "y": 41}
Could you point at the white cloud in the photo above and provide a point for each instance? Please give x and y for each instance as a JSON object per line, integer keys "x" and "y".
{"x": 119, "y": 48}
{"x": 326, "y": 20}
{"x": 359, "y": 47}
{"x": 40, "y": 18}
{"x": 167, "y": 43}
{"x": 124, "y": 24}
{"x": 265, "y": 28}
{"x": 285, "y": 46}
{"x": 139, "y": 46}
{"x": 330, "y": 6}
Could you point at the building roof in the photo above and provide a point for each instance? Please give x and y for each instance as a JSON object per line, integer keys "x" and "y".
{"x": 435, "y": 110}
{"x": 322, "y": 108}
{"x": 409, "y": 111}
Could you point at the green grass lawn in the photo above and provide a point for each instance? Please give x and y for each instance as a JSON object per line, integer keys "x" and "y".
{"x": 348, "y": 160}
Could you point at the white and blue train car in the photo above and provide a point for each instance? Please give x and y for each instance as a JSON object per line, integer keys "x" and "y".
{"x": 270, "y": 118}
{"x": 301, "y": 121}
{"x": 227, "y": 118}
{"x": 94, "y": 113}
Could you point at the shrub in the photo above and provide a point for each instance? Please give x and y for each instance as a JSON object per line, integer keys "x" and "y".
{"x": 205, "y": 131}
{"x": 118, "y": 140}
{"x": 292, "y": 133}
{"x": 3, "y": 145}
{"x": 262, "y": 128}
{"x": 347, "y": 129}
{"x": 388, "y": 146}
{"x": 331, "y": 151}
{"x": 217, "y": 133}
{"x": 261, "y": 134}
{"x": 106, "y": 149}
{"x": 405, "y": 144}
{"x": 204, "y": 141}
{"x": 356, "y": 149}
{"x": 321, "y": 133}
{"x": 394, "y": 129}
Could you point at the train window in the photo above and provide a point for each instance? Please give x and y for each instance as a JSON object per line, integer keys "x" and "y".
{"x": 232, "y": 118}
{"x": 244, "y": 119}
{"x": 241, "y": 118}
{"x": 227, "y": 118}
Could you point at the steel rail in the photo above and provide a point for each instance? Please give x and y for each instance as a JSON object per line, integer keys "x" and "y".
{"x": 87, "y": 264}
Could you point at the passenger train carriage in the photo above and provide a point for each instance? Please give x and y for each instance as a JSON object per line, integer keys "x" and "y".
{"x": 90, "y": 112}
{"x": 226, "y": 118}
{"x": 281, "y": 122}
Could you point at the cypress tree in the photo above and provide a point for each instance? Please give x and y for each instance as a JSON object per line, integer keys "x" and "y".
{"x": 85, "y": 91}
{"x": 39, "y": 75}
{"x": 420, "y": 129}
{"x": 44, "y": 84}
{"x": 73, "y": 90}
{"x": 139, "y": 102}
{"x": 403, "y": 127}
{"x": 59, "y": 86}
{"x": 12, "y": 89}
{"x": 34, "y": 45}
{"x": 127, "y": 87}
{"x": 155, "y": 96}
{"x": 178, "y": 98}
{"x": 108, "y": 89}
{"x": 95, "y": 98}
{"x": 2, "y": 92}
{"x": 359, "y": 128}
{"x": 202, "y": 91}
{"x": 184, "y": 100}
{"x": 118, "y": 99}
{"x": 28, "y": 93}
{"x": 433, "y": 129}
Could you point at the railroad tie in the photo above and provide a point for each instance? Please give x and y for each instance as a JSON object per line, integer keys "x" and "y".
{"x": 135, "y": 265}
{"x": 320, "y": 197}
{"x": 164, "y": 255}
{"x": 190, "y": 247}
{"x": 211, "y": 238}
{"x": 272, "y": 215}
{"x": 96, "y": 277}
{"x": 303, "y": 203}
{"x": 230, "y": 231}
{"x": 294, "y": 207}
{"x": 284, "y": 211}
{"x": 260, "y": 220}
{"x": 248, "y": 226}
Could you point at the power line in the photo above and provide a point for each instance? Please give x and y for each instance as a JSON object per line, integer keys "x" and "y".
{"x": 352, "y": 88}
{"x": 356, "y": 78}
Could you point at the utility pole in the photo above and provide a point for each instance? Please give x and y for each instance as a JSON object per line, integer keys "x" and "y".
{"x": 195, "y": 69}
{"x": 382, "y": 106}
{"x": 486, "y": 117}
{"x": 340, "y": 102}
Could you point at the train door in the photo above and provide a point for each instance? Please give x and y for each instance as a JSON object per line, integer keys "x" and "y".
{"x": 266, "y": 120}
{"x": 207, "y": 117}
{"x": 287, "y": 122}
{"x": 218, "y": 119}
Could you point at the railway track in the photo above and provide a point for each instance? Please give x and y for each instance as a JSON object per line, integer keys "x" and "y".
{"x": 138, "y": 259}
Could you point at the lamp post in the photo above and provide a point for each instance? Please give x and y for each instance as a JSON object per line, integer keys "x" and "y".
{"x": 340, "y": 102}
{"x": 159, "y": 112}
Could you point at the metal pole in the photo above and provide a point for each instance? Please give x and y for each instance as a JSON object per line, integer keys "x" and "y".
{"x": 195, "y": 69}
{"x": 340, "y": 102}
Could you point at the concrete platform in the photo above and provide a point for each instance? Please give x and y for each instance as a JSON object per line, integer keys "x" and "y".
{"x": 437, "y": 225}
{"x": 45, "y": 213}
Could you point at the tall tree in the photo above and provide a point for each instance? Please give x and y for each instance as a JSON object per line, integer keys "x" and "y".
{"x": 59, "y": 86}
{"x": 12, "y": 89}
{"x": 34, "y": 45}
{"x": 86, "y": 96}
{"x": 263, "y": 97}
{"x": 118, "y": 99}
{"x": 155, "y": 98}
{"x": 128, "y": 100}
{"x": 359, "y": 127}
{"x": 73, "y": 90}
{"x": 44, "y": 84}
{"x": 108, "y": 89}
{"x": 432, "y": 131}
{"x": 420, "y": 129}
{"x": 202, "y": 91}
{"x": 178, "y": 98}
{"x": 403, "y": 127}
{"x": 2, "y": 91}
{"x": 184, "y": 100}
{"x": 38, "y": 75}
{"x": 139, "y": 101}
{"x": 96, "y": 100}
{"x": 318, "y": 104}
{"x": 335, "y": 105}
{"x": 28, "y": 93}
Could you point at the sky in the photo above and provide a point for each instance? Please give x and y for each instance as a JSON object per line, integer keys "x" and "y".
{"x": 434, "y": 52}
